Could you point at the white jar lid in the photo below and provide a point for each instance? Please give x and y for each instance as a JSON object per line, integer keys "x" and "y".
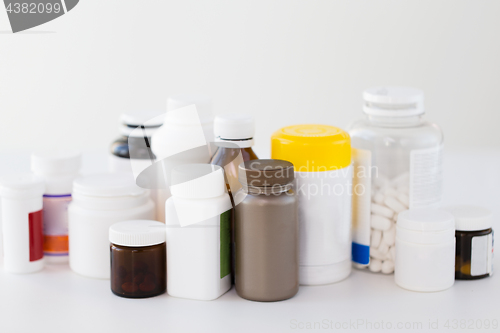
{"x": 426, "y": 219}
{"x": 393, "y": 101}
{"x": 56, "y": 163}
{"x": 471, "y": 218}
{"x": 234, "y": 126}
{"x": 23, "y": 185}
{"x": 198, "y": 181}
{"x": 203, "y": 107}
{"x": 137, "y": 233}
{"x": 107, "y": 185}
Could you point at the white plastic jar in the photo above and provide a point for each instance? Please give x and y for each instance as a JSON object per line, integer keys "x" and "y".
{"x": 197, "y": 219}
{"x": 22, "y": 218}
{"x": 403, "y": 155}
{"x": 59, "y": 169}
{"x": 99, "y": 201}
{"x": 425, "y": 250}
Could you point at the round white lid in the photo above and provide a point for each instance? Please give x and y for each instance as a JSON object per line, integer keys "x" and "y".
{"x": 426, "y": 219}
{"x": 203, "y": 105}
{"x": 471, "y": 218}
{"x": 22, "y": 184}
{"x": 393, "y": 101}
{"x": 234, "y": 126}
{"x": 198, "y": 181}
{"x": 56, "y": 162}
{"x": 137, "y": 118}
{"x": 137, "y": 233}
{"x": 107, "y": 185}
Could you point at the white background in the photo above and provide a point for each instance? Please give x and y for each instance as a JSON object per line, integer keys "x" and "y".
{"x": 64, "y": 84}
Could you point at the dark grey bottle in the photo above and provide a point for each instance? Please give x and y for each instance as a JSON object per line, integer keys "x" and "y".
{"x": 266, "y": 232}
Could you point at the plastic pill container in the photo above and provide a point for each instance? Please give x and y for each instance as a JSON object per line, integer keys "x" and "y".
{"x": 425, "y": 250}
{"x": 321, "y": 156}
{"x": 266, "y": 232}
{"x": 59, "y": 169}
{"x": 402, "y": 153}
{"x": 138, "y": 258}
{"x": 132, "y": 140}
{"x": 22, "y": 218}
{"x": 99, "y": 201}
{"x": 197, "y": 219}
{"x": 474, "y": 236}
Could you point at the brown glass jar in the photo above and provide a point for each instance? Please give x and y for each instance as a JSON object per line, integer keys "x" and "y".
{"x": 474, "y": 242}
{"x": 138, "y": 258}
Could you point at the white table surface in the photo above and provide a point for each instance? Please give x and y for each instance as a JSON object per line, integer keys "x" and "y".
{"x": 58, "y": 300}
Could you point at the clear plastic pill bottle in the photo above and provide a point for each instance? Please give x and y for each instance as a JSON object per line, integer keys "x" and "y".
{"x": 474, "y": 236}
{"x": 267, "y": 232}
{"x": 197, "y": 218}
{"x": 22, "y": 217}
{"x": 425, "y": 250}
{"x": 138, "y": 258}
{"x": 321, "y": 156}
{"x": 99, "y": 201}
{"x": 59, "y": 169}
{"x": 403, "y": 153}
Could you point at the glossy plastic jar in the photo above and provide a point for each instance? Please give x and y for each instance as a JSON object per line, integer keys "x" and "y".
{"x": 138, "y": 258}
{"x": 266, "y": 232}
{"x": 474, "y": 237}
{"x": 99, "y": 201}
{"x": 403, "y": 155}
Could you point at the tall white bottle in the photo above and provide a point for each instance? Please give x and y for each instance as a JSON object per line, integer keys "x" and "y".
{"x": 184, "y": 138}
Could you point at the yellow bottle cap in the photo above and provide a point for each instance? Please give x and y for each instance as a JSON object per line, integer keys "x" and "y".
{"x": 312, "y": 148}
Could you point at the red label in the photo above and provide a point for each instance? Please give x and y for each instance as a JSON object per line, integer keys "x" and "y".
{"x": 36, "y": 235}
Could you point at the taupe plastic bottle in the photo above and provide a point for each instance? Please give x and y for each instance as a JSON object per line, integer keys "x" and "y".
{"x": 266, "y": 232}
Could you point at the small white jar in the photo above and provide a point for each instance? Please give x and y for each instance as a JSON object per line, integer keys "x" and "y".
{"x": 197, "y": 218}
{"x": 99, "y": 201}
{"x": 21, "y": 200}
{"x": 425, "y": 250}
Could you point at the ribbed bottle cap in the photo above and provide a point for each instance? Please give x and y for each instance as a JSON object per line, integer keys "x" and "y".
{"x": 266, "y": 173}
{"x": 234, "y": 126}
{"x": 107, "y": 185}
{"x": 56, "y": 163}
{"x": 393, "y": 101}
{"x": 198, "y": 181}
{"x": 22, "y": 185}
{"x": 137, "y": 233}
{"x": 312, "y": 148}
{"x": 471, "y": 218}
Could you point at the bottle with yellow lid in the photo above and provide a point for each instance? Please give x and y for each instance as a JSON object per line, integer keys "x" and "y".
{"x": 321, "y": 156}
{"x": 405, "y": 153}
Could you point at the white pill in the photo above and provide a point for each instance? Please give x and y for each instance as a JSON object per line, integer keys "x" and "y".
{"x": 376, "y": 237}
{"x": 394, "y": 204}
{"x": 392, "y": 252}
{"x": 382, "y": 210}
{"x": 380, "y": 223}
{"x": 390, "y": 191}
{"x": 375, "y": 265}
{"x": 383, "y": 248}
{"x": 403, "y": 189}
{"x": 379, "y": 197}
{"x": 404, "y": 199}
{"x": 389, "y": 236}
{"x": 387, "y": 267}
{"x": 395, "y": 218}
{"x": 374, "y": 253}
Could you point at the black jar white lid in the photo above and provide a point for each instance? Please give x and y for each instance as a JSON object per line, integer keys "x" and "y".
{"x": 471, "y": 218}
{"x": 137, "y": 233}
